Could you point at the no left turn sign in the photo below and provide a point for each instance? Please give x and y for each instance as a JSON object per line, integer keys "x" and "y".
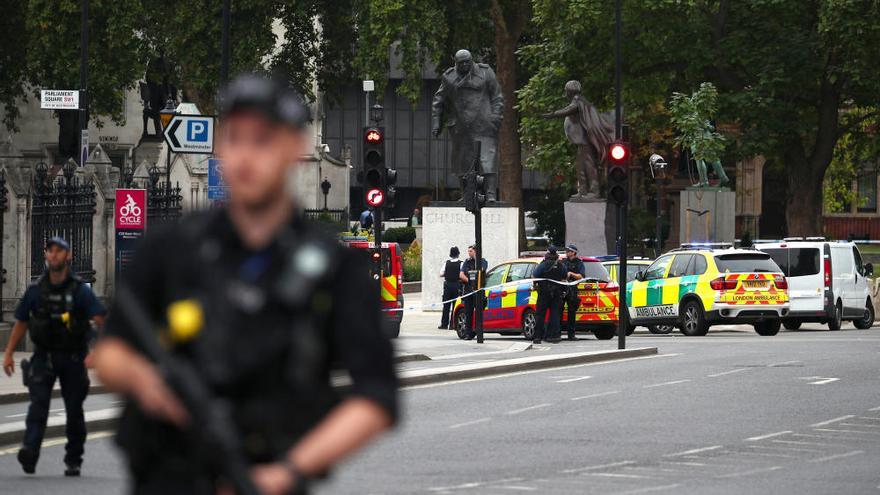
{"x": 375, "y": 197}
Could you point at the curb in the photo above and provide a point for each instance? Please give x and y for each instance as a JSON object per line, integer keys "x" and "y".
{"x": 12, "y": 433}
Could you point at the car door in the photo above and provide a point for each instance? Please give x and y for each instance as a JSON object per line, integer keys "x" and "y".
{"x": 672, "y": 284}
{"x": 493, "y": 315}
{"x": 515, "y": 294}
{"x": 649, "y": 291}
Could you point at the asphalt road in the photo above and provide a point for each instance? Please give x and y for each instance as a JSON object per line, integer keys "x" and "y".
{"x": 731, "y": 412}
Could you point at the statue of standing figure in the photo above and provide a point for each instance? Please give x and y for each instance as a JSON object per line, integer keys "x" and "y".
{"x": 723, "y": 180}
{"x": 469, "y": 102}
{"x": 592, "y": 133}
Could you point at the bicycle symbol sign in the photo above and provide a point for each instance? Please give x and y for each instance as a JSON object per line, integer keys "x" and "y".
{"x": 130, "y": 209}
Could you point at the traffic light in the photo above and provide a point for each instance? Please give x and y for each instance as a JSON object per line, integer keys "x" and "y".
{"x": 374, "y": 157}
{"x": 618, "y": 169}
{"x": 389, "y": 185}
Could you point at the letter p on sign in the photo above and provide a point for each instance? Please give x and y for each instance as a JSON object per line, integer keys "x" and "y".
{"x": 197, "y": 130}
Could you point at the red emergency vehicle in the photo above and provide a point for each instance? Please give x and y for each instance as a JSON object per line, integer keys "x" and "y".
{"x": 387, "y": 269}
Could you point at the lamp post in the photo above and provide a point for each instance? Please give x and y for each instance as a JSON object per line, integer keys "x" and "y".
{"x": 165, "y": 117}
{"x": 325, "y": 188}
{"x": 658, "y": 172}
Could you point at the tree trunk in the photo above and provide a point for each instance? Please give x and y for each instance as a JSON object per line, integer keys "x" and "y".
{"x": 510, "y": 162}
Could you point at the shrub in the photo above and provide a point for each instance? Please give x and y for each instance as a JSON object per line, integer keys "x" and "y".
{"x": 401, "y": 235}
{"x": 412, "y": 263}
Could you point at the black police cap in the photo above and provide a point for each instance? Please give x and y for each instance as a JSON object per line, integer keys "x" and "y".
{"x": 267, "y": 96}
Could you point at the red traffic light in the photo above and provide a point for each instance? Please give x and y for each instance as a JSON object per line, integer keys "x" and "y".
{"x": 618, "y": 152}
{"x": 373, "y": 136}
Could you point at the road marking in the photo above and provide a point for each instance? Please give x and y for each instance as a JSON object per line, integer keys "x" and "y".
{"x": 602, "y": 394}
{"x": 871, "y": 418}
{"x": 714, "y": 375}
{"x": 774, "y": 365}
{"x": 530, "y": 408}
{"x": 875, "y": 409}
{"x": 684, "y": 463}
{"x": 694, "y": 451}
{"x": 762, "y": 454}
{"x": 518, "y": 487}
{"x": 469, "y": 423}
{"x": 654, "y": 468}
{"x": 600, "y": 466}
{"x": 59, "y": 441}
{"x": 820, "y": 380}
{"x": 835, "y": 420}
{"x": 838, "y": 456}
{"x": 769, "y": 435}
{"x": 20, "y": 415}
{"x": 648, "y": 489}
{"x": 794, "y": 449}
{"x": 618, "y": 475}
{"x": 850, "y": 431}
{"x": 666, "y": 383}
{"x": 750, "y": 472}
{"x": 862, "y": 425}
{"x": 818, "y": 444}
{"x": 569, "y": 380}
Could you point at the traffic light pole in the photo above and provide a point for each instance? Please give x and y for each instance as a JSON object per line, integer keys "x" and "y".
{"x": 479, "y": 296}
{"x": 623, "y": 312}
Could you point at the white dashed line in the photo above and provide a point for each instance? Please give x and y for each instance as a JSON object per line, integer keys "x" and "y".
{"x": 518, "y": 487}
{"x": 818, "y": 444}
{"x": 860, "y": 425}
{"x": 694, "y": 451}
{"x": 602, "y": 394}
{"x": 750, "y": 472}
{"x": 648, "y": 489}
{"x": 835, "y": 420}
{"x": 469, "y": 423}
{"x": 530, "y": 408}
{"x": 769, "y": 435}
{"x": 874, "y": 409}
{"x": 666, "y": 383}
{"x": 600, "y": 466}
{"x": 715, "y": 375}
{"x": 569, "y": 380}
{"x": 861, "y": 432}
{"x": 684, "y": 463}
{"x": 838, "y": 456}
{"x": 774, "y": 365}
{"x": 793, "y": 449}
{"x": 617, "y": 475}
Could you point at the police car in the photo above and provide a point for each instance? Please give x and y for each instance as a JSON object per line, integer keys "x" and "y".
{"x": 511, "y": 299}
{"x": 697, "y": 286}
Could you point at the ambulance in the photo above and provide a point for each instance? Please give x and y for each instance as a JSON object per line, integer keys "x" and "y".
{"x": 697, "y": 286}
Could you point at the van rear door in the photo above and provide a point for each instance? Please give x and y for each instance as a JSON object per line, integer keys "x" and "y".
{"x": 802, "y": 268}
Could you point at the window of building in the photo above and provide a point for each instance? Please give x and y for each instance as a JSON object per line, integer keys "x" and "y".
{"x": 866, "y": 188}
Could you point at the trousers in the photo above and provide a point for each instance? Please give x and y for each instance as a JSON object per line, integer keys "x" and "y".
{"x": 571, "y": 304}
{"x": 548, "y": 300}
{"x": 450, "y": 291}
{"x": 68, "y": 367}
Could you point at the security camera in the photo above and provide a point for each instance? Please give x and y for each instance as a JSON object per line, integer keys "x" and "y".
{"x": 658, "y": 166}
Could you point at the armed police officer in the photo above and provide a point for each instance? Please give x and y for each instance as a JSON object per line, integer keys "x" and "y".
{"x": 57, "y": 311}
{"x": 261, "y": 306}
{"x": 451, "y": 284}
{"x": 468, "y": 275}
{"x": 575, "y": 270}
{"x": 550, "y": 291}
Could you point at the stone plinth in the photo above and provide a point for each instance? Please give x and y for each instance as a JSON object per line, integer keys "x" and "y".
{"x": 707, "y": 215}
{"x": 447, "y": 226}
{"x": 591, "y": 226}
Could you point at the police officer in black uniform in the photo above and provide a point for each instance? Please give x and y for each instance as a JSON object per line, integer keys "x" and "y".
{"x": 575, "y": 270}
{"x": 549, "y": 296}
{"x": 451, "y": 284}
{"x": 263, "y": 306}
{"x": 57, "y": 310}
{"x": 468, "y": 276}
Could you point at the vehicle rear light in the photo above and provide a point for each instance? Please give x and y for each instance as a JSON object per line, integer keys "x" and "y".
{"x": 827, "y": 272}
{"x": 781, "y": 282}
{"x": 610, "y": 287}
{"x": 722, "y": 283}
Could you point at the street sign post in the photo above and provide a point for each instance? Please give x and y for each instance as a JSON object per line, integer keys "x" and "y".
{"x": 59, "y": 99}
{"x": 217, "y": 188}
{"x": 84, "y": 146}
{"x": 130, "y": 214}
{"x": 190, "y": 134}
{"x": 375, "y": 197}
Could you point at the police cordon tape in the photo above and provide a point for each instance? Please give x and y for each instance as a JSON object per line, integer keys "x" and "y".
{"x": 532, "y": 280}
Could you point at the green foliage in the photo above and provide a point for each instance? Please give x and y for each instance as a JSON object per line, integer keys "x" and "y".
{"x": 549, "y": 213}
{"x": 855, "y": 151}
{"x": 403, "y": 235}
{"x": 412, "y": 263}
{"x": 690, "y": 115}
{"x": 13, "y": 66}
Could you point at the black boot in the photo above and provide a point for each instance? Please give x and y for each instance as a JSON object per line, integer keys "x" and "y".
{"x": 28, "y": 460}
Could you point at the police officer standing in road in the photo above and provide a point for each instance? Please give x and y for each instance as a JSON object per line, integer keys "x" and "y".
{"x": 451, "y": 284}
{"x": 549, "y": 296}
{"x": 57, "y": 310}
{"x": 576, "y": 270}
{"x": 261, "y": 305}
{"x": 468, "y": 276}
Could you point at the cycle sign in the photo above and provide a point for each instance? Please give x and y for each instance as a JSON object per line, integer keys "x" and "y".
{"x": 375, "y": 197}
{"x": 131, "y": 209}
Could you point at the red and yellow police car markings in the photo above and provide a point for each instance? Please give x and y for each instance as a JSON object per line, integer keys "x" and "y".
{"x": 389, "y": 288}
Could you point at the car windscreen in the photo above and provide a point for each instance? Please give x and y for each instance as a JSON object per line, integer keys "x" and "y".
{"x": 796, "y": 262}
{"x": 746, "y": 263}
{"x": 596, "y": 271}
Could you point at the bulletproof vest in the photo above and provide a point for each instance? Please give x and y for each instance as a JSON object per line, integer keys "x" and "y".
{"x": 451, "y": 271}
{"x": 555, "y": 272}
{"x": 54, "y": 325}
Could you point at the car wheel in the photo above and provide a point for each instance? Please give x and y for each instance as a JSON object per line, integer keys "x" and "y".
{"x": 693, "y": 320}
{"x": 529, "y": 322}
{"x": 791, "y": 324}
{"x": 461, "y": 328}
{"x": 767, "y": 328}
{"x": 605, "y": 333}
{"x": 661, "y": 329}
{"x": 834, "y": 320}
{"x": 867, "y": 321}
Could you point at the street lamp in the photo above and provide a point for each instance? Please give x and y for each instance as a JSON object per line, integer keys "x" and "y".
{"x": 658, "y": 168}
{"x": 377, "y": 113}
{"x": 325, "y": 188}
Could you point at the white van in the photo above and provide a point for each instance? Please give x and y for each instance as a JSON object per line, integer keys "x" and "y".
{"x": 827, "y": 281}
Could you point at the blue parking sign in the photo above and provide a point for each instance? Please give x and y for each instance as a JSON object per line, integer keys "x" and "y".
{"x": 216, "y": 185}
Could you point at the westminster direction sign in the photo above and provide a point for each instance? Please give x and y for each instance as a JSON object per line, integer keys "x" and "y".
{"x": 191, "y": 134}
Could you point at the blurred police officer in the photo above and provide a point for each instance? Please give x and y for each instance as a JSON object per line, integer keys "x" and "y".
{"x": 575, "y": 270}
{"x": 451, "y": 284}
{"x": 552, "y": 270}
{"x": 277, "y": 304}
{"x": 468, "y": 276}
{"x": 57, "y": 310}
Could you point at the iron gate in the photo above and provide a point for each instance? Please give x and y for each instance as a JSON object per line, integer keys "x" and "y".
{"x": 163, "y": 201}
{"x": 62, "y": 205}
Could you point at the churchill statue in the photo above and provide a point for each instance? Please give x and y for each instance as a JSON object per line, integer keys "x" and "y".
{"x": 592, "y": 133}
{"x": 469, "y": 104}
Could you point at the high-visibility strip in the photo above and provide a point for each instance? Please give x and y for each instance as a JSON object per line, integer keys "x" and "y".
{"x": 389, "y": 288}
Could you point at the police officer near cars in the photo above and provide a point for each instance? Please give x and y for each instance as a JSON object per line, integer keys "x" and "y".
{"x": 575, "y": 270}
{"x": 262, "y": 306}
{"x": 550, "y": 291}
{"x": 451, "y": 284}
{"x": 468, "y": 276}
{"x": 57, "y": 311}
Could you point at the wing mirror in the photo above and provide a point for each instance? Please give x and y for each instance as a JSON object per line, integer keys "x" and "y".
{"x": 869, "y": 270}
{"x": 640, "y": 276}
